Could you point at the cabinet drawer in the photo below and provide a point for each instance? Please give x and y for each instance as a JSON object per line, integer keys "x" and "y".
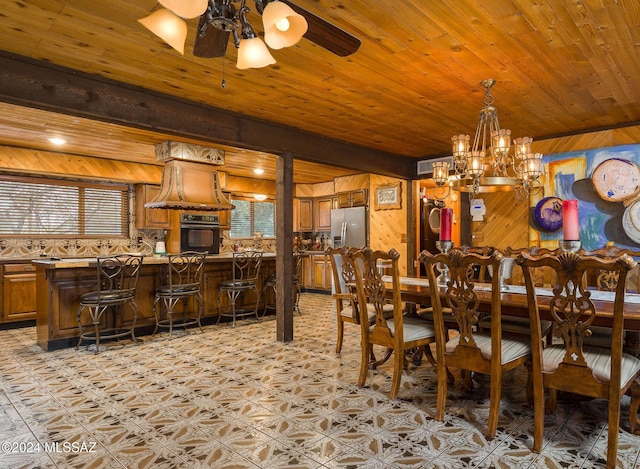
{"x": 19, "y": 268}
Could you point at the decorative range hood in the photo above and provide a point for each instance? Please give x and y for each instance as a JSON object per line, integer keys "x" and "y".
{"x": 187, "y": 185}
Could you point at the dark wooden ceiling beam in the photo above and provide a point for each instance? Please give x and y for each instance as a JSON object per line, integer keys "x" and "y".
{"x": 42, "y": 85}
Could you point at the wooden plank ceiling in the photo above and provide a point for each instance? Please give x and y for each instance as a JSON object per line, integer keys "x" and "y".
{"x": 561, "y": 66}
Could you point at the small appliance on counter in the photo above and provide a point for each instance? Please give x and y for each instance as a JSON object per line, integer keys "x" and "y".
{"x": 161, "y": 248}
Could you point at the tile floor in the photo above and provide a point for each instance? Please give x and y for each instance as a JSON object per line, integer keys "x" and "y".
{"x": 236, "y": 398}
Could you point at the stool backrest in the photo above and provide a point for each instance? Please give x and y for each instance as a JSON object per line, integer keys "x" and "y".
{"x": 185, "y": 269}
{"x": 119, "y": 272}
{"x": 246, "y": 265}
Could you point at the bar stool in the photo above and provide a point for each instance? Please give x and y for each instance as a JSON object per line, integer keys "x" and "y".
{"x": 184, "y": 278}
{"x": 117, "y": 278}
{"x": 246, "y": 268}
{"x": 270, "y": 284}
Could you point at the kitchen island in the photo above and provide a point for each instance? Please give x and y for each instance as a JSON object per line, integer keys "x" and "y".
{"x": 61, "y": 282}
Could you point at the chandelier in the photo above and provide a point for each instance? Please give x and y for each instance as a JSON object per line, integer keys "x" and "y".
{"x": 485, "y": 165}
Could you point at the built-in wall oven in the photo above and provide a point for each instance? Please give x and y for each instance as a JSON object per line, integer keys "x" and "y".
{"x": 200, "y": 233}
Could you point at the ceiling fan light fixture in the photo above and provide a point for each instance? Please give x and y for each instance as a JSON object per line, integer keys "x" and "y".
{"x": 283, "y": 27}
{"x": 168, "y": 27}
{"x": 253, "y": 53}
{"x": 187, "y": 9}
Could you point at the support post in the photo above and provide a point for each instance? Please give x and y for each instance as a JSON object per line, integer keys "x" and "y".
{"x": 284, "y": 247}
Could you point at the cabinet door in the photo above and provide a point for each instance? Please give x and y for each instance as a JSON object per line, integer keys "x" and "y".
{"x": 344, "y": 199}
{"x": 150, "y": 218}
{"x": 318, "y": 272}
{"x": 328, "y": 274}
{"x": 359, "y": 198}
{"x": 19, "y": 294}
{"x": 305, "y": 215}
{"x": 323, "y": 215}
{"x": 306, "y": 272}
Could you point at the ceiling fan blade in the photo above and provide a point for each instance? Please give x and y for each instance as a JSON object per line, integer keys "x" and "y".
{"x": 212, "y": 42}
{"x": 327, "y": 35}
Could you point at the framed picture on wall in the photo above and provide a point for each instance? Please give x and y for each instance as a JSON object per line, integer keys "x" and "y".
{"x": 388, "y": 197}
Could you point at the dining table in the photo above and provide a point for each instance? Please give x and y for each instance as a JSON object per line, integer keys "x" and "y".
{"x": 513, "y": 299}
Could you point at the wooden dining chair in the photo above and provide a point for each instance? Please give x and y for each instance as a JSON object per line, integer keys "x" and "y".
{"x": 344, "y": 292}
{"x": 479, "y": 273}
{"x": 541, "y": 276}
{"x": 486, "y": 352}
{"x": 571, "y": 365}
{"x": 517, "y": 325}
{"x": 607, "y": 280}
{"x": 396, "y": 333}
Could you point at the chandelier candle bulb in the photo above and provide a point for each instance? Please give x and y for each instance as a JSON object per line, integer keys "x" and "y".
{"x": 570, "y": 225}
{"x": 446, "y": 215}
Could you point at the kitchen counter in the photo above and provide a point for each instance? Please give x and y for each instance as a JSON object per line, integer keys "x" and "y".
{"x": 147, "y": 260}
{"x": 61, "y": 282}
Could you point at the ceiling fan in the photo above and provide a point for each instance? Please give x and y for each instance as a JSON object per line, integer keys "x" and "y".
{"x": 285, "y": 23}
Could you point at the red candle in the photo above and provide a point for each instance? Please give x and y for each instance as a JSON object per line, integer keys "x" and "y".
{"x": 570, "y": 225}
{"x": 445, "y": 223}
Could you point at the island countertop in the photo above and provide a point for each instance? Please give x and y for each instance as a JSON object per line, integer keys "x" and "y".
{"x": 68, "y": 263}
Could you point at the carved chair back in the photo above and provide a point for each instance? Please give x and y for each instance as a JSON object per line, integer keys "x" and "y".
{"x": 572, "y": 365}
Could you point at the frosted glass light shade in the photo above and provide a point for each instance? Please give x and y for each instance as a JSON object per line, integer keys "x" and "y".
{"x": 168, "y": 27}
{"x": 253, "y": 53}
{"x": 283, "y": 27}
{"x": 186, "y": 8}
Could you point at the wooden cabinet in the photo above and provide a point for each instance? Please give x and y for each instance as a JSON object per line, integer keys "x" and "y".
{"x": 317, "y": 273}
{"x": 355, "y": 198}
{"x": 344, "y": 199}
{"x": 150, "y": 218}
{"x": 318, "y": 268}
{"x": 360, "y": 198}
{"x": 323, "y": 213}
{"x": 304, "y": 212}
{"x": 18, "y": 292}
{"x": 306, "y": 272}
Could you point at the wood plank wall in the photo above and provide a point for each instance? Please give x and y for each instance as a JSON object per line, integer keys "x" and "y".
{"x": 349, "y": 183}
{"x": 388, "y": 228}
{"x": 34, "y": 162}
{"x": 249, "y": 186}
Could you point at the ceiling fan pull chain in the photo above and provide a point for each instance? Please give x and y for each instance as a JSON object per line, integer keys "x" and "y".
{"x": 223, "y": 84}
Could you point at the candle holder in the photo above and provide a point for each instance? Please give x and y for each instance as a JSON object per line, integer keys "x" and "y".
{"x": 444, "y": 247}
{"x": 505, "y": 272}
{"x": 570, "y": 245}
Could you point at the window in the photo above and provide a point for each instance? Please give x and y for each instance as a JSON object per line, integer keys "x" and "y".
{"x": 250, "y": 217}
{"x": 61, "y": 209}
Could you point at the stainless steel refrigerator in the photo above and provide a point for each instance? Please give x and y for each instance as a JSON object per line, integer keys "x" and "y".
{"x": 349, "y": 227}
